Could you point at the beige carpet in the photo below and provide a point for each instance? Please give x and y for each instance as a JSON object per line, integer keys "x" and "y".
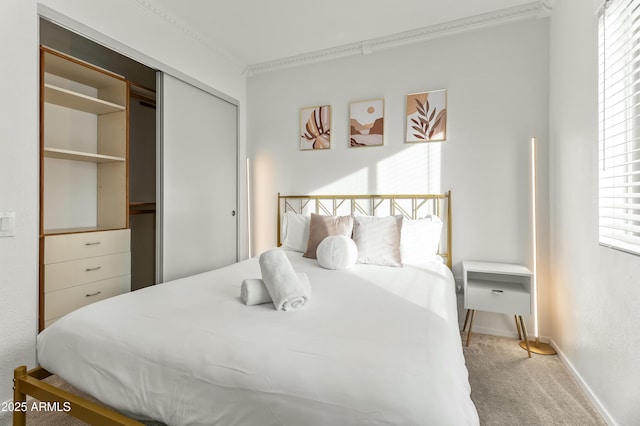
{"x": 507, "y": 387}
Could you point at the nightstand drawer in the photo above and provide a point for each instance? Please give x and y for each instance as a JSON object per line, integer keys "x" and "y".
{"x": 61, "y": 302}
{"x": 69, "y": 274}
{"x": 501, "y": 297}
{"x": 61, "y": 248}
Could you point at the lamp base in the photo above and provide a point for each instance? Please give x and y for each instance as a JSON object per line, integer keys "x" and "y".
{"x": 538, "y": 348}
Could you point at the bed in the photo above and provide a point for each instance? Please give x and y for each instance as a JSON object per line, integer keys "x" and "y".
{"x": 374, "y": 345}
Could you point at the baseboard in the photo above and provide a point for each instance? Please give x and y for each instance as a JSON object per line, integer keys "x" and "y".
{"x": 585, "y": 387}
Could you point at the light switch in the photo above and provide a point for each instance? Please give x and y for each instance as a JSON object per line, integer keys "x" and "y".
{"x": 7, "y": 224}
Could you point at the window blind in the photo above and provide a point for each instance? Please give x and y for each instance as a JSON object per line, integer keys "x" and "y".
{"x": 619, "y": 125}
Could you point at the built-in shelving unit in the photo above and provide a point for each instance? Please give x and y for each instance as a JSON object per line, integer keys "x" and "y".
{"x": 84, "y": 145}
{"x": 84, "y": 195}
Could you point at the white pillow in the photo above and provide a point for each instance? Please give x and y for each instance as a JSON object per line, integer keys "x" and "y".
{"x": 337, "y": 252}
{"x": 295, "y": 231}
{"x": 378, "y": 239}
{"x": 420, "y": 239}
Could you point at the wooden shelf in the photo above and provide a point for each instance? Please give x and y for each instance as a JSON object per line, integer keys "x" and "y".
{"x": 70, "y": 99}
{"x": 142, "y": 207}
{"x": 61, "y": 231}
{"x": 141, "y": 203}
{"x": 65, "y": 154}
{"x": 77, "y": 70}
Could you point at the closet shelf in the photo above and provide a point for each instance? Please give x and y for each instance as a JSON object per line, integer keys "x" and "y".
{"x": 76, "y": 230}
{"x": 78, "y": 101}
{"x": 83, "y": 72}
{"x": 65, "y": 154}
{"x": 142, "y": 207}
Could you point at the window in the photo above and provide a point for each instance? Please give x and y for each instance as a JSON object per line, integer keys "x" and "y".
{"x": 619, "y": 125}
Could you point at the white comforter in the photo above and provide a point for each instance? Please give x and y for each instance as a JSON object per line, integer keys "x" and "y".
{"x": 374, "y": 346}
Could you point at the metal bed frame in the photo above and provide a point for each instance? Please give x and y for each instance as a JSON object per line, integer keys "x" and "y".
{"x": 410, "y": 206}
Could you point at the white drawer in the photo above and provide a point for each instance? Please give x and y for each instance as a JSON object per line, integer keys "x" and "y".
{"x": 61, "y": 302}
{"x": 502, "y": 297}
{"x": 61, "y": 248}
{"x": 63, "y": 275}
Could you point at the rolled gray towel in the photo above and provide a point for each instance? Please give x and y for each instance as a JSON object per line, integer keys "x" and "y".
{"x": 254, "y": 292}
{"x": 287, "y": 290}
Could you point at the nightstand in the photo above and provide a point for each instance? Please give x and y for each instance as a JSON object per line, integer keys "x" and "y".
{"x": 497, "y": 287}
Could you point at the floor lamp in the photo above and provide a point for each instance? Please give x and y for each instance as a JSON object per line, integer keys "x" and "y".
{"x": 535, "y": 345}
{"x": 248, "y": 177}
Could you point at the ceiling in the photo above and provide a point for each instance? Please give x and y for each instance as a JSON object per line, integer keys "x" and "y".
{"x": 258, "y": 31}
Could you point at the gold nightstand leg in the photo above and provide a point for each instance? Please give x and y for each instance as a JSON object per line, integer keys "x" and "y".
{"x": 466, "y": 320}
{"x": 526, "y": 338}
{"x": 473, "y": 315}
{"x": 518, "y": 327}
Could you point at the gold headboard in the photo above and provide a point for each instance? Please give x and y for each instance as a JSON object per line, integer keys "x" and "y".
{"x": 412, "y": 206}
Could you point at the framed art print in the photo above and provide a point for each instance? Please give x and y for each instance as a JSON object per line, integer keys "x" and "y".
{"x": 315, "y": 128}
{"x": 427, "y": 116}
{"x": 366, "y": 123}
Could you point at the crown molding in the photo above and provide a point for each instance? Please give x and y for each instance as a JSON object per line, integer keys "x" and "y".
{"x": 187, "y": 30}
{"x": 535, "y": 9}
{"x": 547, "y": 5}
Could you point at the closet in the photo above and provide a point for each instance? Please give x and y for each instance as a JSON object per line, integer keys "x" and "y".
{"x": 199, "y": 133}
{"x": 138, "y": 179}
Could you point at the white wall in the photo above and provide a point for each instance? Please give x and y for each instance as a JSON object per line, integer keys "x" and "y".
{"x": 19, "y": 187}
{"x": 126, "y": 22}
{"x": 595, "y": 291}
{"x": 497, "y": 82}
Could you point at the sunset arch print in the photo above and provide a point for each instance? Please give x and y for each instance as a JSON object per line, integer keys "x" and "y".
{"x": 366, "y": 123}
{"x": 315, "y": 128}
{"x": 427, "y": 116}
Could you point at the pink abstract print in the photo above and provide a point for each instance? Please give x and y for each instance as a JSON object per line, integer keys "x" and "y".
{"x": 315, "y": 128}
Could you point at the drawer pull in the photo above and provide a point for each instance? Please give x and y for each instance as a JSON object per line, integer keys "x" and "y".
{"x": 93, "y": 269}
{"x": 498, "y": 292}
{"x": 93, "y": 294}
{"x": 95, "y": 243}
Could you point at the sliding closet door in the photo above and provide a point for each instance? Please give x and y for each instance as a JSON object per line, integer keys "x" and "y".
{"x": 199, "y": 180}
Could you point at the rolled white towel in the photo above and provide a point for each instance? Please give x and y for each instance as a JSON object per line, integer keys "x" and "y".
{"x": 254, "y": 292}
{"x": 287, "y": 290}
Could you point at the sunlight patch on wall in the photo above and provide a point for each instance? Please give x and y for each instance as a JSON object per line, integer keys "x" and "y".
{"x": 352, "y": 184}
{"x": 414, "y": 170}
{"x": 264, "y": 197}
